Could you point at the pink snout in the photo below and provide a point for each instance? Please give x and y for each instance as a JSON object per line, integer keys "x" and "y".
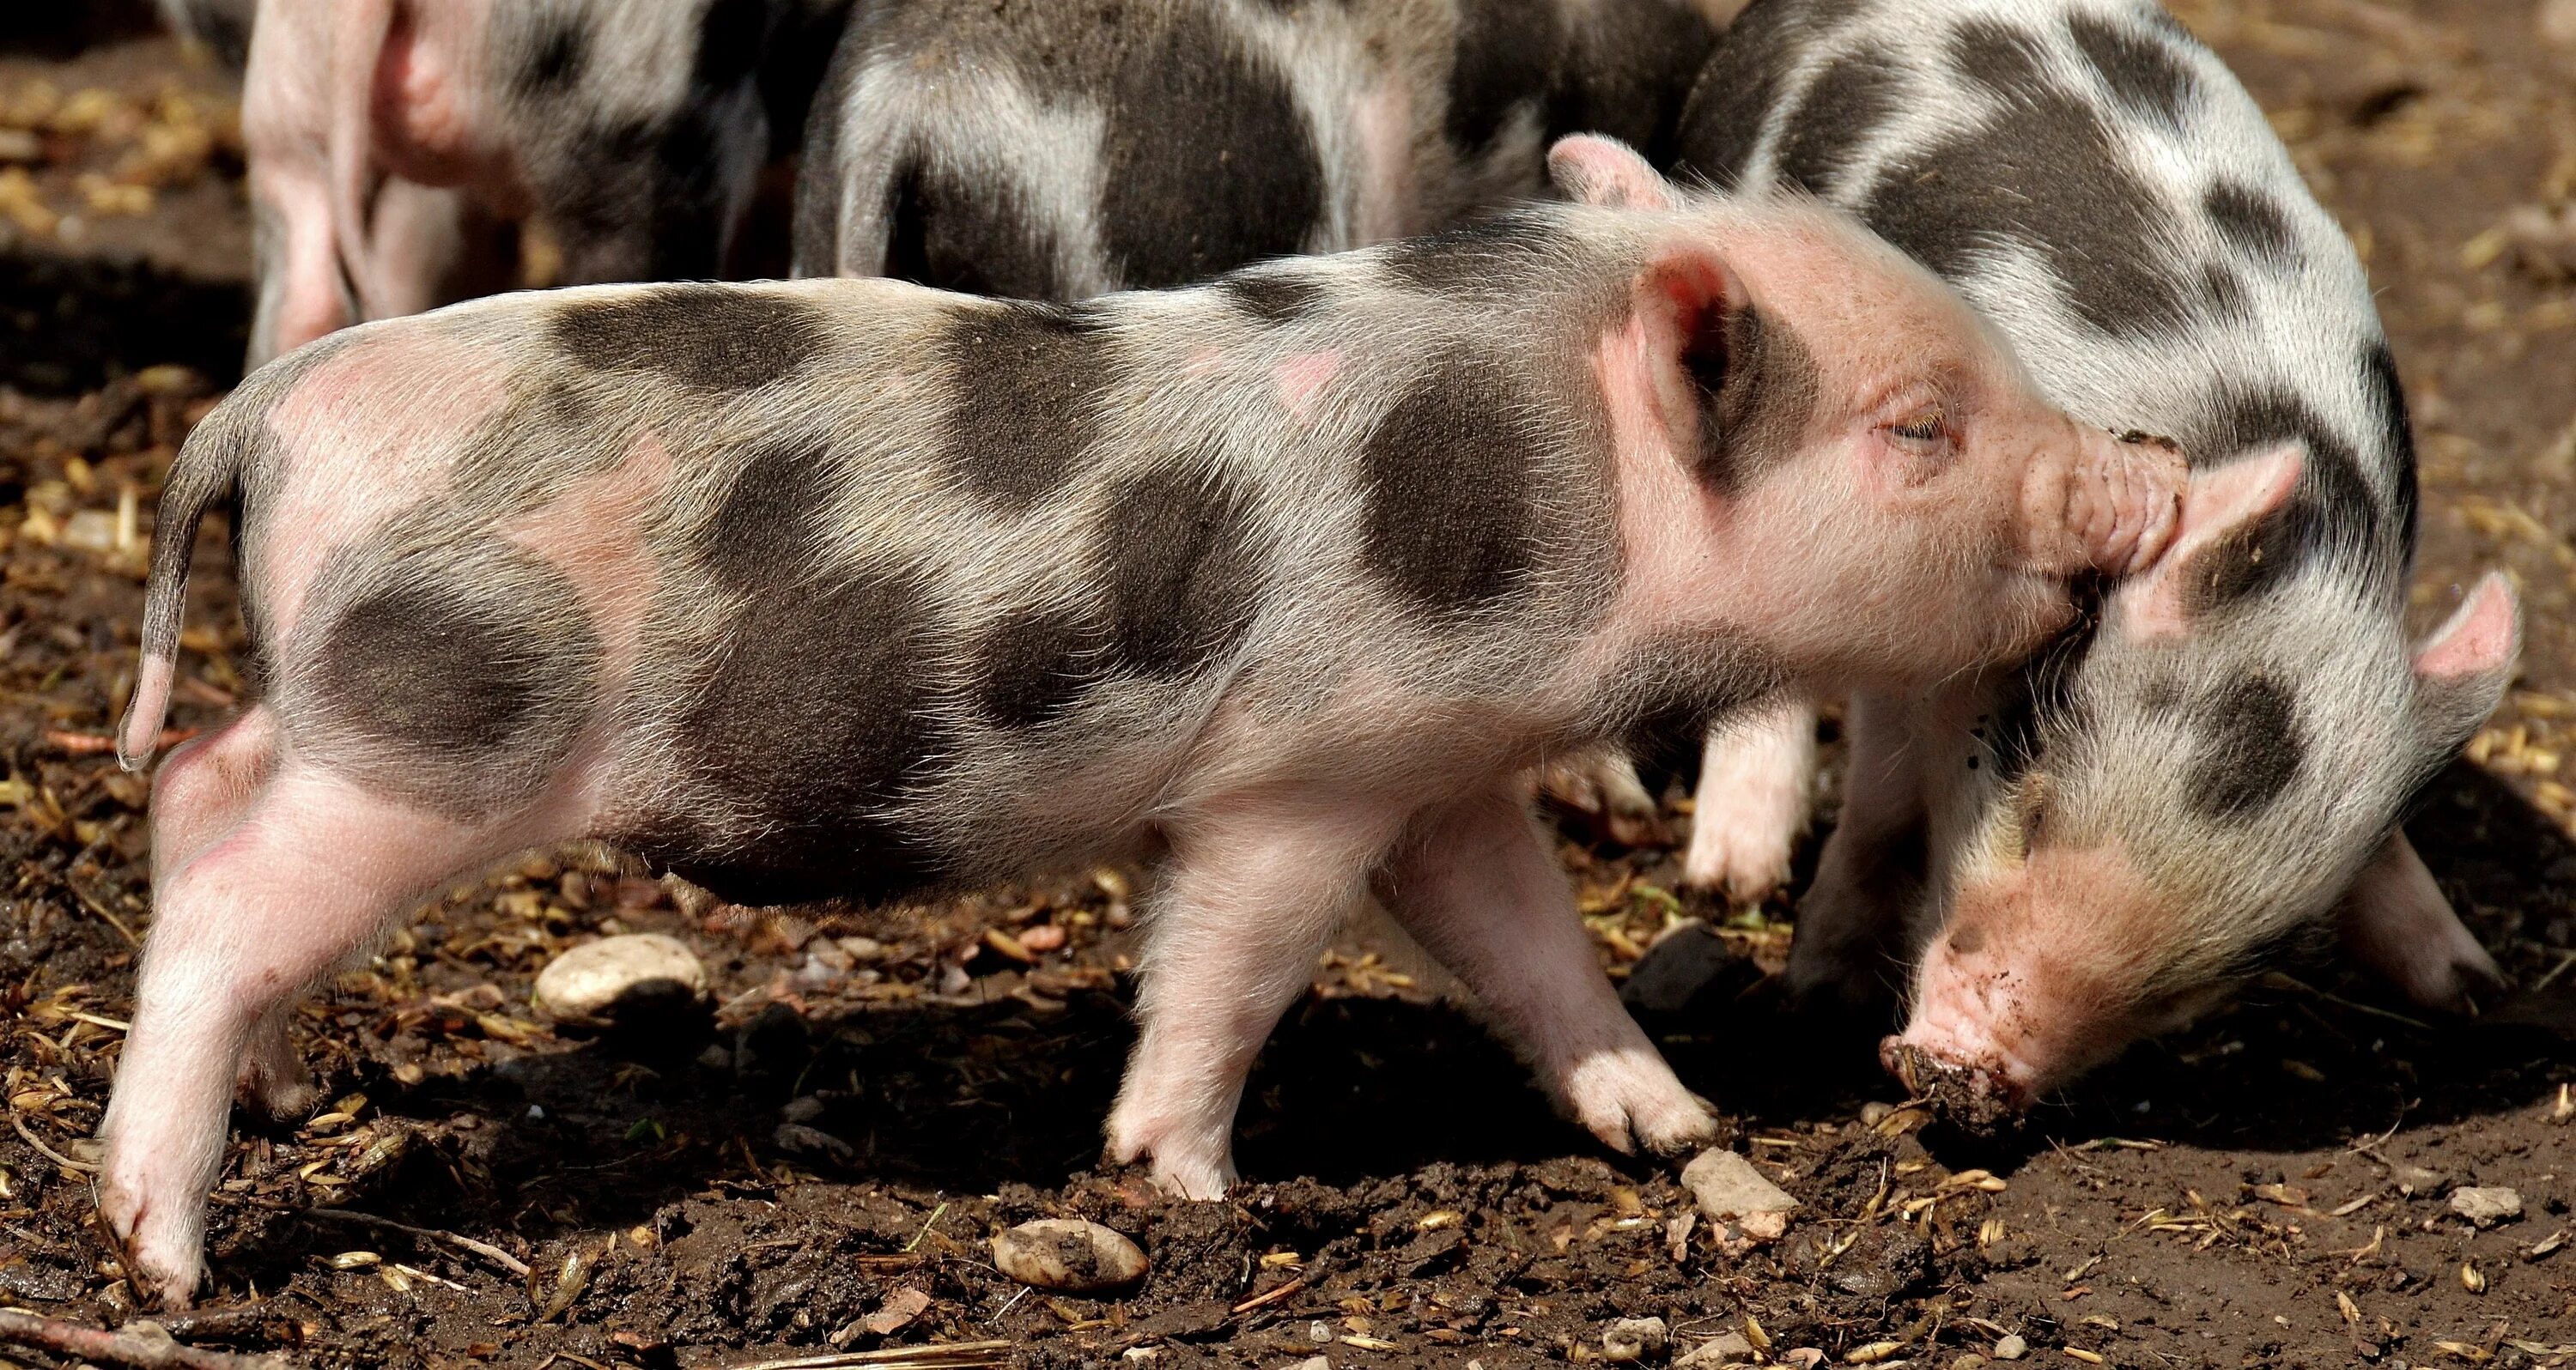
{"x": 2110, "y": 505}
{"x": 2036, "y": 978}
{"x": 1965, "y": 1045}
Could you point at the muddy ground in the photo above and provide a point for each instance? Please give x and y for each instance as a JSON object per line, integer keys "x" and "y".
{"x": 817, "y": 1164}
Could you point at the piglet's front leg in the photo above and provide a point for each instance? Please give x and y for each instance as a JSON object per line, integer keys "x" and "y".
{"x": 1474, "y": 883}
{"x": 1254, "y": 889}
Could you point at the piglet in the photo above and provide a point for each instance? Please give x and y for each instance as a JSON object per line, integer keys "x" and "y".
{"x": 2062, "y": 860}
{"x": 855, "y": 588}
{"x": 389, "y": 140}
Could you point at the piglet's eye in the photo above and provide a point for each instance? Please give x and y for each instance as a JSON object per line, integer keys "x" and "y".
{"x": 1925, "y": 429}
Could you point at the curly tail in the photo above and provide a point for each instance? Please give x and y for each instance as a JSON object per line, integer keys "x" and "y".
{"x": 203, "y": 472}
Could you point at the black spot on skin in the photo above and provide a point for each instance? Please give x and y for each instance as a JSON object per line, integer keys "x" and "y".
{"x": 1759, "y": 387}
{"x": 767, "y": 526}
{"x": 470, "y": 659}
{"x": 2250, "y": 749}
{"x": 712, "y": 337}
{"x": 2388, "y": 399}
{"x": 1851, "y": 100}
{"x": 1178, "y": 563}
{"x": 1031, "y": 667}
{"x": 1209, "y": 163}
{"x": 2251, "y": 223}
{"x": 1273, "y": 297}
{"x": 1504, "y": 55}
{"x": 2144, "y": 73}
{"x": 1019, "y": 417}
{"x": 2225, "y": 293}
{"x": 1447, "y": 478}
{"x": 2331, "y": 513}
{"x": 1723, "y": 119}
{"x": 807, "y": 728}
{"x": 2046, "y": 174}
{"x": 979, "y": 240}
{"x": 1478, "y": 260}
{"x": 2006, "y": 59}
{"x": 556, "y": 58}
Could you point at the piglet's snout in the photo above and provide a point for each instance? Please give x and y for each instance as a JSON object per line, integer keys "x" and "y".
{"x": 2102, "y": 503}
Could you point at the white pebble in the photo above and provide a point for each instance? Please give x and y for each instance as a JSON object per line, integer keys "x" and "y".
{"x": 593, "y": 980}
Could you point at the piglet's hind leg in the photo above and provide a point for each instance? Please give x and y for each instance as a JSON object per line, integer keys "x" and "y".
{"x": 1478, "y": 888}
{"x": 1251, "y": 895}
{"x": 310, "y": 874}
{"x": 1756, "y": 785}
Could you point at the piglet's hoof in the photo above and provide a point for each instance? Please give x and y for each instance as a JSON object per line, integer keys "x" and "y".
{"x": 1963, "y": 1096}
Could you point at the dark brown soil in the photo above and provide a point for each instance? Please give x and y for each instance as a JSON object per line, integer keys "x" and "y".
{"x": 846, "y": 1131}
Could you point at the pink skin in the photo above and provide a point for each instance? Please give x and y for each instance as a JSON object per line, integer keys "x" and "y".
{"x": 2023, "y": 999}
{"x": 1302, "y": 378}
{"x": 1257, "y": 884}
{"x": 1756, "y": 786}
{"x": 326, "y": 505}
{"x": 1389, "y": 206}
{"x": 304, "y": 874}
{"x": 2396, "y": 922}
{"x": 1476, "y": 884}
{"x": 368, "y": 164}
{"x": 594, "y": 534}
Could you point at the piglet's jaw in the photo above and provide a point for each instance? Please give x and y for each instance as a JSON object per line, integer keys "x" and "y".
{"x": 2102, "y": 504}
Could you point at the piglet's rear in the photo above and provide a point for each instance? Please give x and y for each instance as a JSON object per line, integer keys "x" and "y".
{"x": 853, "y": 587}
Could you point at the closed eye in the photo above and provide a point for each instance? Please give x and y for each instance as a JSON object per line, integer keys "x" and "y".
{"x": 1929, "y": 427}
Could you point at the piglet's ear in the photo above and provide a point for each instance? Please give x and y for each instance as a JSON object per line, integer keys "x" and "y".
{"x": 1601, "y": 171}
{"x": 2223, "y": 509}
{"x": 2462, "y": 669}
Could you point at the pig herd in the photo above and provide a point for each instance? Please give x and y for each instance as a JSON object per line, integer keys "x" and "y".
{"x": 1262, "y": 437}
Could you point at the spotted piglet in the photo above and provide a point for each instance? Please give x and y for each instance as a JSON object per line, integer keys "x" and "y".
{"x": 1058, "y": 151}
{"x": 389, "y": 139}
{"x": 855, "y": 588}
{"x": 2064, "y": 859}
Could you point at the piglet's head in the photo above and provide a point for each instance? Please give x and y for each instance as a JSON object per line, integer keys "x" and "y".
{"x": 1867, "y": 484}
{"x": 2230, "y": 794}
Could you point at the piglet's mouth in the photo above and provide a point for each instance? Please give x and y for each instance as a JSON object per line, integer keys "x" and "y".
{"x": 1969, "y": 1098}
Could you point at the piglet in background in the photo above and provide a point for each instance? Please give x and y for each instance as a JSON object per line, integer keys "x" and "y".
{"x": 854, "y": 588}
{"x": 1061, "y": 150}
{"x": 390, "y": 140}
{"x": 2062, "y": 860}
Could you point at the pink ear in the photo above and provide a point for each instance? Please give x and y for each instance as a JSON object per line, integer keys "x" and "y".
{"x": 1601, "y": 171}
{"x": 2221, "y": 504}
{"x": 2480, "y": 637}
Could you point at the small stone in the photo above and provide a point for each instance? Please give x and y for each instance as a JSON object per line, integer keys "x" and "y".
{"x": 1138, "y": 1355}
{"x": 897, "y": 1312}
{"x": 2418, "y": 1182}
{"x": 1685, "y": 963}
{"x": 1070, "y": 1255}
{"x": 1726, "y": 1349}
{"x": 2486, "y": 1205}
{"x": 1323, "y": 1363}
{"x": 2558, "y": 21}
{"x": 1635, "y": 1339}
{"x": 812, "y": 1143}
{"x": 1804, "y": 1357}
{"x": 1969, "y": 1360}
{"x": 2010, "y": 1346}
{"x": 617, "y": 977}
{"x": 1727, "y": 1186}
{"x": 1874, "y": 1113}
{"x": 1319, "y": 1332}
